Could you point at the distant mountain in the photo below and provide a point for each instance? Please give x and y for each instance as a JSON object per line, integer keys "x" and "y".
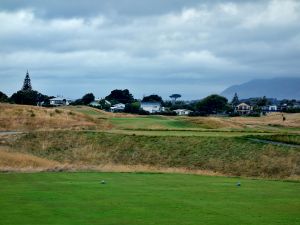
{"x": 280, "y": 88}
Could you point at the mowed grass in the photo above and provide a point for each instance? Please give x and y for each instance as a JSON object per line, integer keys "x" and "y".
{"x": 130, "y": 198}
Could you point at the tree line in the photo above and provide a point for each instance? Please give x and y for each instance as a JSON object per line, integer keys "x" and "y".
{"x": 212, "y": 104}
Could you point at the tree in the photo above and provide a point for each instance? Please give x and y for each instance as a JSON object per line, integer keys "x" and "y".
{"x": 212, "y": 104}
{"x": 175, "y": 96}
{"x": 132, "y": 107}
{"x": 262, "y": 101}
{"x": 235, "y": 101}
{"x": 29, "y": 97}
{"x": 3, "y": 97}
{"x": 120, "y": 96}
{"x": 88, "y": 98}
{"x": 27, "y": 83}
{"x": 152, "y": 98}
{"x": 104, "y": 104}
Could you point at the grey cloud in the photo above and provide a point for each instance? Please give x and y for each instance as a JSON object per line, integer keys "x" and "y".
{"x": 157, "y": 46}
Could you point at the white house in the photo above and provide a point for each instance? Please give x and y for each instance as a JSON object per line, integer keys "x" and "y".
{"x": 243, "y": 108}
{"x": 118, "y": 107}
{"x": 59, "y": 101}
{"x": 269, "y": 108}
{"x": 182, "y": 112}
{"x": 151, "y": 107}
{"x": 95, "y": 104}
{"x": 272, "y": 108}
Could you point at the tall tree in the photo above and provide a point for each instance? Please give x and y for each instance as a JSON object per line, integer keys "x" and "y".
{"x": 152, "y": 98}
{"x": 88, "y": 98}
{"x": 175, "y": 96}
{"x": 235, "y": 100}
{"x": 212, "y": 104}
{"x": 3, "y": 97}
{"x": 262, "y": 101}
{"x": 29, "y": 97}
{"x": 120, "y": 96}
{"x": 27, "y": 83}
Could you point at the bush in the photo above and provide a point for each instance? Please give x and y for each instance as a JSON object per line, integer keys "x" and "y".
{"x": 26, "y": 97}
{"x": 143, "y": 112}
{"x": 192, "y": 114}
{"x": 166, "y": 113}
{"x": 3, "y": 97}
{"x": 293, "y": 110}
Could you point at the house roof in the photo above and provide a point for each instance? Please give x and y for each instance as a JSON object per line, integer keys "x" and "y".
{"x": 57, "y": 99}
{"x": 182, "y": 110}
{"x": 243, "y": 103}
{"x": 150, "y": 103}
{"x": 119, "y": 104}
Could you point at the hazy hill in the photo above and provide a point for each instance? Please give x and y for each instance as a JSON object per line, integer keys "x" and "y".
{"x": 280, "y": 88}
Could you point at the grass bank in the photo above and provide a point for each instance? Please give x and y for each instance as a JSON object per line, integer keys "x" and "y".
{"x": 227, "y": 155}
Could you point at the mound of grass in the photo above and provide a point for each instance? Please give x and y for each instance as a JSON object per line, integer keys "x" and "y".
{"x": 229, "y": 155}
{"x": 80, "y": 198}
{"x": 23, "y": 118}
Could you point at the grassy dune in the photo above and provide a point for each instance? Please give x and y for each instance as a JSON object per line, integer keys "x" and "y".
{"x": 80, "y": 198}
{"x": 28, "y": 118}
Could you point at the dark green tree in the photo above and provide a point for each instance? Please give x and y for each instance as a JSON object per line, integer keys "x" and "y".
{"x": 235, "y": 100}
{"x": 120, "y": 96}
{"x": 88, "y": 98}
{"x": 27, "y": 83}
{"x": 212, "y": 104}
{"x": 3, "y": 97}
{"x": 105, "y": 105}
{"x": 152, "y": 98}
{"x": 262, "y": 101}
{"x": 175, "y": 96}
{"x": 133, "y": 107}
{"x": 29, "y": 97}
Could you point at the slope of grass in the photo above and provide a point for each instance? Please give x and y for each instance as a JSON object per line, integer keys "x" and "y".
{"x": 229, "y": 155}
{"x": 23, "y": 118}
{"x": 284, "y": 138}
{"x": 13, "y": 161}
{"x": 80, "y": 198}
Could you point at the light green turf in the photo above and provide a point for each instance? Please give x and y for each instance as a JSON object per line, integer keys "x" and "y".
{"x": 152, "y": 122}
{"x": 79, "y": 198}
{"x": 185, "y": 133}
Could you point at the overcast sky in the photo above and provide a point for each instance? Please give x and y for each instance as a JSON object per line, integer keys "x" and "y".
{"x": 194, "y": 48}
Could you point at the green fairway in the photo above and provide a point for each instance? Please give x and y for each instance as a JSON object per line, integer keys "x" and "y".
{"x": 128, "y": 198}
{"x": 152, "y": 122}
{"x": 184, "y": 133}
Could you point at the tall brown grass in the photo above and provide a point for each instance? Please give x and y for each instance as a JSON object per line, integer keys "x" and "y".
{"x": 28, "y": 118}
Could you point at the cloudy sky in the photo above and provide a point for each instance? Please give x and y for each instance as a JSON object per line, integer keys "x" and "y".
{"x": 190, "y": 47}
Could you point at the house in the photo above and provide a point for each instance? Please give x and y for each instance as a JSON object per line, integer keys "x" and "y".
{"x": 182, "y": 112}
{"x": 118, "y": 107}
{"x": 151, "y": 107}
{"x": 59, "y": 101}
{"x": 243, "y": 108}
{"x": 296, "y": 105}
{"x": 270, "y": 108}
{"x": 95, "y": 104}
